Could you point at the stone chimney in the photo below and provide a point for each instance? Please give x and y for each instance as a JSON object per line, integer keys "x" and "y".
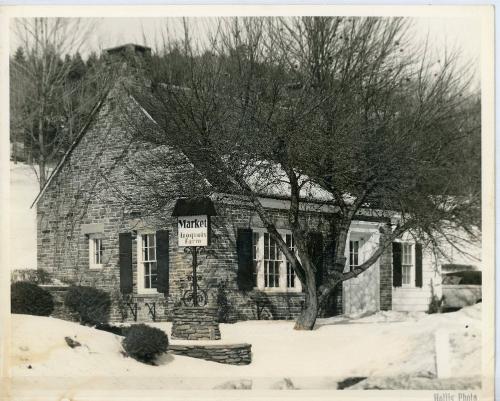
{"x": 130, "y": 62}
{"x": 128, "y": 50}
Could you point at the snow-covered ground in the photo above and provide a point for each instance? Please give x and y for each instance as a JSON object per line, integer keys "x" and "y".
{"x": 384, "y": 345}
{"x": 23, "y": 191}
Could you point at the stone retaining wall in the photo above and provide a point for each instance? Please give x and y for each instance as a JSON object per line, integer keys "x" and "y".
{"x": 195, "y": 323}
{"x": 232, "y": 354}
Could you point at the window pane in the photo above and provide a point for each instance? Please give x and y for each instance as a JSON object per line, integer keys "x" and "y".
{"x": 152, "y": 254}
{"x": 255, "y": 244}
{"x": 266, "y": 246}
{"x": 353, "y": 254}
{"x": 406, "y": 274}
{"x": 154, "y": 274}
{"x": 272, "y": 262}
{"x": 153, "y": 268}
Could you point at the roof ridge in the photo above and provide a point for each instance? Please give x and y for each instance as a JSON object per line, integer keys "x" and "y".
{"x": 80, "y": 135}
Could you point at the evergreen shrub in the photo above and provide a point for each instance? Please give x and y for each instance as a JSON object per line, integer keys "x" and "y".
{"x": 30, "y": 299}
{"x": 91, "y": 304}
{"x": 144, "y": 343}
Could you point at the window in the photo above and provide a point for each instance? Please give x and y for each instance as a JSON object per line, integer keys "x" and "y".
{"x": 353, "y": 255}
{"x": 95, "y": 252}
{"x": 290, "y": 273}
{"x": 406, "y": 263}
{"x": 147, "y": 262}
{"x": 272, "y": 270}
{"x": 255, "y": 248}
{"x": 272, "y": 262}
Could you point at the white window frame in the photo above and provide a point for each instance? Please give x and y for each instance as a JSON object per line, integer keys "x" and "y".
{"x": 141, "y": 289}
{"x": 93, "y": 240}
{"x": 360, "y": 238}
{"x": 259, "y": 265}
{"x": 357, "y": 253}
{"x": 412, "y": 265}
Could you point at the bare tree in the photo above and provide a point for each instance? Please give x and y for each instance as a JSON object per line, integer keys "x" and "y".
{"x": 41, "y": 89}
{"x": 341, "y": 107}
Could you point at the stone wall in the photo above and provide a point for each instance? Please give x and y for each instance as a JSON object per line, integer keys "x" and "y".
{"x": 233, "y": 354}
{"x": 195, "y": 323}
{"x": 95, "y": 187}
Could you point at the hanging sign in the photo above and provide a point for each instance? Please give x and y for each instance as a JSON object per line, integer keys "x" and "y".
{"x": 193, "y": 230}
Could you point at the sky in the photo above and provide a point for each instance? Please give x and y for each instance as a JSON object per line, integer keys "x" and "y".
{"x": 463, "y": 33}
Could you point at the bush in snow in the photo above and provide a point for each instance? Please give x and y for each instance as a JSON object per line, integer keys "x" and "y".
{"x": 43, "y": 276}
{"x": 145, "y": 343}
{"x": 436, "y": 304}
{"x": 223, "y": 306}
{"x": 91, "y": 304}
{"x": 30, "y": 299}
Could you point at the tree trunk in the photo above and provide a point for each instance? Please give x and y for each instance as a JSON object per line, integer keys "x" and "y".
{"x": 308, "y": 315}
{"x": 41, "y": 156}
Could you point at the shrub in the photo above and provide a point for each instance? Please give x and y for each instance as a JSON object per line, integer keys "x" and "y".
{"x": 43, "y": 276}
{"x": 118, "y": 330}
{"x": 436, "y": 304}
{"x": 145, "y": 343}
{"x": 29, "y": 299}
{"x": 223, "y": 306}
{"x": 91, "y": 304}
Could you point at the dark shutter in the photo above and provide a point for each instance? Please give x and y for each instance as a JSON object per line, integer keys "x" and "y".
{"x": 162, "y": 260}
{"x": 397, "y": 273}
{"x": 125, "y": 260}
{"x": 418, "y": 265}
{"x": 315, "y": 248}
{"x": 245, "y": 259}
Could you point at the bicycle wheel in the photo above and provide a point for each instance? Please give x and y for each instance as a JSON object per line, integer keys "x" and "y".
{"x": 187, "y": 298}
{"x": 202, "y": 297}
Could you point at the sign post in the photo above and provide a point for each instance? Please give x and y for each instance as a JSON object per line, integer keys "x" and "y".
{"x": 193, "y": 228}
{"x": 193, "y": 232}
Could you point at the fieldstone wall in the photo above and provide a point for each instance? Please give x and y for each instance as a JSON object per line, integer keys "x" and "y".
{"x": 94, "y": 188}
{"x": 195, "y": 323}
{"x": 232, "y": 354}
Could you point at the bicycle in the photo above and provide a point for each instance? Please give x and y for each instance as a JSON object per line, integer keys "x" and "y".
{"x": 187, "y": 295}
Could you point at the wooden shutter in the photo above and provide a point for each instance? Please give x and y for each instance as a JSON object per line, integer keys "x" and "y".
{"x": 397, "y": 272}
{"x": 125, "y": 260}
{"x": 162, "y": 260}
{"x": 245, "y": 259}
{"x": 315, "y": 247}
{"x": 418, "y": 265}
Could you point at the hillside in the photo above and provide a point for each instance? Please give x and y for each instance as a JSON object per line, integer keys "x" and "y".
{"x": 23, "y": 191}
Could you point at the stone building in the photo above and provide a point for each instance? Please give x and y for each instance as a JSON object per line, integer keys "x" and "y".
{"x": 93, "y": 230}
